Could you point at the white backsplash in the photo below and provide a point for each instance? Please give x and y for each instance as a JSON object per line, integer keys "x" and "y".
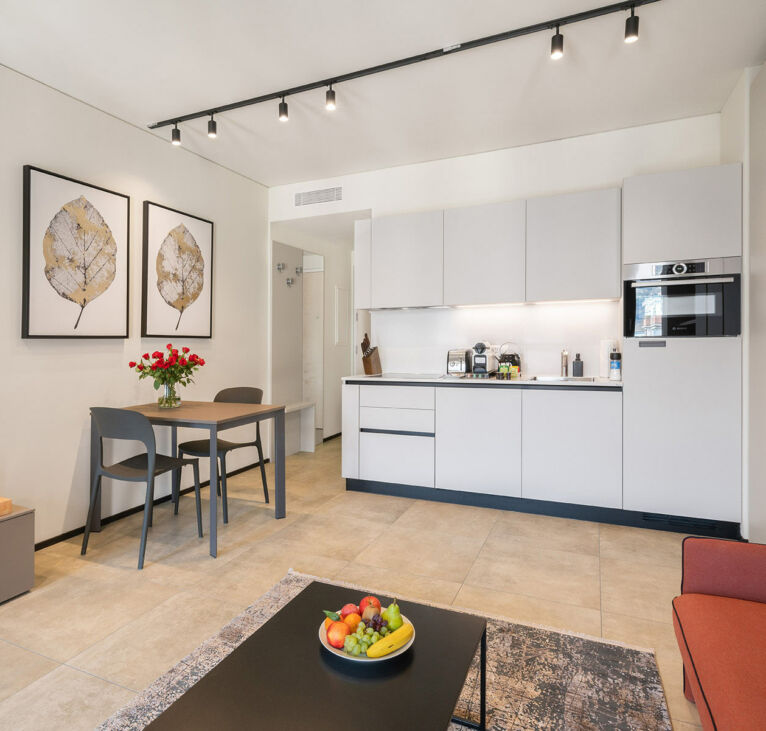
{"x": 417, "y": 341}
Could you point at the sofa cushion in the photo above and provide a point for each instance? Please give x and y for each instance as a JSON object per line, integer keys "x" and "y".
{"x": 723, "y": 642}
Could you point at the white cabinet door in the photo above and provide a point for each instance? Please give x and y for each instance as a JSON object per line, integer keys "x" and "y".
{"x": 350, "y": 431}
{"x": 572, "y": 446}
{"x": 686, "y": 214}
{"x": 408, "y": 259}
{"x": 396, "y": 458}
{"x": 397, "y": 397}
{"x": 573, "y": 246}
{"x": 362, "y": 254}
{"x": 682, "y": 427}
{"x": 484, "y": 254}
{"x": 478, "y": 440}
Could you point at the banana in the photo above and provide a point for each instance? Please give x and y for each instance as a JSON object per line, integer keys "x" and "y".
{"x": 394, "y": 641}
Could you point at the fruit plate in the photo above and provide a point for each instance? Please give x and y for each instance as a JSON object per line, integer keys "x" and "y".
{"x": 364, "y": 658}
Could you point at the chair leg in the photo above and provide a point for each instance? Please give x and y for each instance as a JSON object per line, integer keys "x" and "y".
{"x": 197, "y": 499}
{"x": 177, "y": 491}
{"x": 151, "y": 513}
{"x": 224, "y": 498}
{"x": 263, "y": 470}
{"x": 147, "y": 520}
{"x": 94, "y": 491}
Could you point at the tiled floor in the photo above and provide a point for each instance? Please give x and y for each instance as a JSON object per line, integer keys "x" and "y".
{"x": 95, "y": 630}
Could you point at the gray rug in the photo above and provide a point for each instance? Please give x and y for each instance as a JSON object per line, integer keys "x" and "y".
{"x": 536, "y": 678}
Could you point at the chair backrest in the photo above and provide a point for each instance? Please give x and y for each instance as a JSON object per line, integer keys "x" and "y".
{"x": 124, "y": 424}
{"x": 240, "y": 395}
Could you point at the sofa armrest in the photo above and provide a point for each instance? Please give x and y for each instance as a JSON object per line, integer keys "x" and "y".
{"x": 724, "y": 568}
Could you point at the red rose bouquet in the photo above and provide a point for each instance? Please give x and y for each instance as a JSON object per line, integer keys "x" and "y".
{"x": 168, "y": 370}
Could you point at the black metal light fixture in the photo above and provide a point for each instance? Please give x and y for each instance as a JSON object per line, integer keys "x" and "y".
{"x": 283, "y": 110}
{"x": 175, "y": 136}
{"x": 329, "y": 100}
{"x": 631, "y": 27}
{"x": 212, "y": 128}
{"x": 557, "y": 45}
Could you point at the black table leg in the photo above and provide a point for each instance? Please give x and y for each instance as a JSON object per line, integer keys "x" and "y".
{"x": 213, "y": 491}
{"x": 175, "y": 489}
{"x": 279, "y": 465}
{"x": 95, "y": 522}
{"x": 482, "y": 725}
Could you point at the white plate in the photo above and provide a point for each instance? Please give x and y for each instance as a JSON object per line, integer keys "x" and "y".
{"x": 364, "y": 658}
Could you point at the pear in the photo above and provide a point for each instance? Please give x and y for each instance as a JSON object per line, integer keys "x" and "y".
{"x": 392, "y": 614}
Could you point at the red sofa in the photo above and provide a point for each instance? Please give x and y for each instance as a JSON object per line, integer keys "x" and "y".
{"x": 720, "y": 624}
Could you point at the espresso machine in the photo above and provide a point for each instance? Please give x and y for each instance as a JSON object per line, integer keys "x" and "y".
{"x": 484, "y": 360}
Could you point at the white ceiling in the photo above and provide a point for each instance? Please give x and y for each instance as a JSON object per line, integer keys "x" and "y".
{"x": 146, "y": 60}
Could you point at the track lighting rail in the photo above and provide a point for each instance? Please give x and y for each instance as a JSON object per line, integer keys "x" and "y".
{"x": 429, "y": 55}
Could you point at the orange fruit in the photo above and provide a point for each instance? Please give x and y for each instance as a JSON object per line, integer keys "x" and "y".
{"x": 352, "y": 620}
{"x": 327, "y": 623}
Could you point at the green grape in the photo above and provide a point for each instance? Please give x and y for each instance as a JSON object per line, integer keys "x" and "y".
{"x": 351, "y": 640}
{"x": 369, "y": 631}
{"x": 356, "y": 650}
{"x": 375, "y": 637}
{"x": 384, "y": 631}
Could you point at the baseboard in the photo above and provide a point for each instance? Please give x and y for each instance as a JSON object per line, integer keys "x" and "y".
{"x": 334, "y": 436}
{"x": 616, "y": 516}
{"x": 137, "y": 509}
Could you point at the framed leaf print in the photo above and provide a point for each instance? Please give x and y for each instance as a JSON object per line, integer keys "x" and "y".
{"x": 177, "y": 297}
{"x": 75, "y": 262}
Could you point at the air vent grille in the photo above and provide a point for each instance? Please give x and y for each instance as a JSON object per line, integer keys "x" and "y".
{"x": 326, "y": 195}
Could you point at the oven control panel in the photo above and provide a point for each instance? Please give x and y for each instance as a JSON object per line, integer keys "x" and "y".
{"x": 679, "y": 268}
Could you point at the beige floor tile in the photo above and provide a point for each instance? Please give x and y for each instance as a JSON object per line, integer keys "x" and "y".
{"x": 19, "y": 668}
{"x": 382, "y": 508}
{"x": 577, "y": 536}
{"x": 561, "y": 576}
{"x": 143, "y": 649}
{"x": 462, "y": 520}
{"x": 638, "y": 589}
{"x": 63, "y": 699}
{"x": 639, "y": 544}
{"x": 530, "y": 610}
{"x": 426, "y": 552}
{"x": 397, "y": 582}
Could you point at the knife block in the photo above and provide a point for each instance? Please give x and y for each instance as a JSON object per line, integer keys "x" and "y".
{"x": 371, "y": 363}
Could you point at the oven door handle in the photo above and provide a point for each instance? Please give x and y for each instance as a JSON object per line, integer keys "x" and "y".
{"x": 679, "y": 282}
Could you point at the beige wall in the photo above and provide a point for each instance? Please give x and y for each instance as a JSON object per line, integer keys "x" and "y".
{"x": 48, "y": 385}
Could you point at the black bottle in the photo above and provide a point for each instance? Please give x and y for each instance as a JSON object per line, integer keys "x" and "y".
{"x": 577, "y": 366}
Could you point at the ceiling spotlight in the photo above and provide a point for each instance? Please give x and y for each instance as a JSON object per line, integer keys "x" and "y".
{"x": 212, "y": 128}
{"x": 283, "y": 110}
{"x": 557, "y": 45}
{"x": 175, "y": 136}
{"x": 329, "y": 100}
{"x": 631, "y": 27}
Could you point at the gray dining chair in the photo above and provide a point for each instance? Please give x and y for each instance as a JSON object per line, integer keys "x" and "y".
{"x": 130, "y": 425}
{"x": 201, "y": 447}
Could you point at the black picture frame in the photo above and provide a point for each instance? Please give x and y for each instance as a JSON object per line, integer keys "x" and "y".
{"x": 147, "y": 331}
{"x": 26, "y": 303}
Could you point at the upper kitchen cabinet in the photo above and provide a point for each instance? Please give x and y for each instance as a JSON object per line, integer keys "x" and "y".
{"x": 687, "y": 214}
{"x": 408, "y": 260}
{"x": 573, "y": 246}
{"x": 362, "y": 254}
{"x": 484, "y": 254}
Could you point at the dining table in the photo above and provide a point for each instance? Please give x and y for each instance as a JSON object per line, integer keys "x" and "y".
{"x": 213, "y": 416}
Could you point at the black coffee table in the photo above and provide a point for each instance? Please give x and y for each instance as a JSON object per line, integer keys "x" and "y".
{"x": 282, "y": 679}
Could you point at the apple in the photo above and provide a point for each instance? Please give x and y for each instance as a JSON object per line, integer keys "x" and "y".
{"x": 370, "y": 611}
{"x": 367, "y": 601}
{"x": 336, "y": 633}
{"x": 349, "y": 609}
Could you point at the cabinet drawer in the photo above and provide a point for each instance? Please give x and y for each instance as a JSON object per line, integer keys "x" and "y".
{"x": 397, "y": 397}
{"x": 405, "y": 460}
{"x": 409, "y": 420}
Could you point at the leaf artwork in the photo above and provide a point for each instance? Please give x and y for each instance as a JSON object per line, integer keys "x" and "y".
{"x": 180, "y": 270}
{"x": 80, "y": 253}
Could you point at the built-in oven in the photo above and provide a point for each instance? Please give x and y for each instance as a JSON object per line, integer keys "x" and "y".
{"x": 696, "y": 299}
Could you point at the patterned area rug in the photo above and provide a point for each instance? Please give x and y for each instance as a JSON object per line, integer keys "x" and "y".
{"x": 536, "y": 678}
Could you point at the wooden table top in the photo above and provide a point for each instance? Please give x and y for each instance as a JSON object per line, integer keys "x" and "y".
{"x": 206, "y": 413}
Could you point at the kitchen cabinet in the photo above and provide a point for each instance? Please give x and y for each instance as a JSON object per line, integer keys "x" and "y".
{"x": 362, "y": 271}
{"x": 407, "y": 260}
{"x": 573, "y": 246}
{"x": 478, "y": 440}
{"x": 397, "y": 458}
{"x": 484, "y": 254}
{"x": 572, "y": 447}
{"x": 350, "y": 431}
{"x": 686, "y": 214}
{"x": 397, "y": 397}
{"x": 682, "y": 427}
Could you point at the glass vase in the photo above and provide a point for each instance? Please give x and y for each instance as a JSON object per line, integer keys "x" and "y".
{"x": 169, "y": 398}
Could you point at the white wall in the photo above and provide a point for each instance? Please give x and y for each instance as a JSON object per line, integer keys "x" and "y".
{"x": 757, "y": 324}
{"x": 48, "y": 385}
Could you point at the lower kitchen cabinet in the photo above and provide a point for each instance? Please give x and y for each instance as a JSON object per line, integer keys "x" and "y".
{"x": 572, "y": 447}
{"x": 397, "y": 458}
{"x": 478, "y": 440}
{"x": 350, "y": 431}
